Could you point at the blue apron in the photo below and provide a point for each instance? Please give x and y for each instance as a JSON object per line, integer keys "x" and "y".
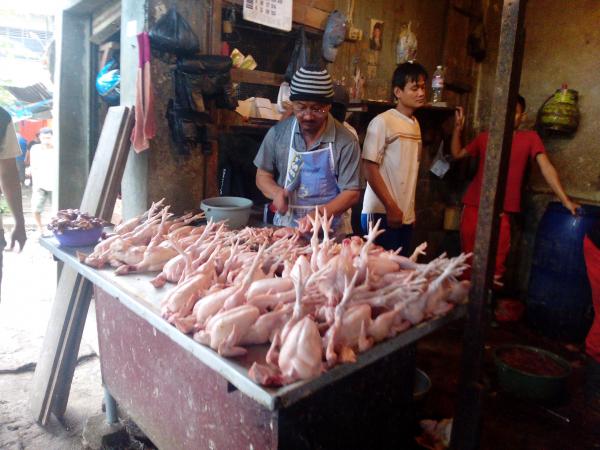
{"x": 310, "y": 180}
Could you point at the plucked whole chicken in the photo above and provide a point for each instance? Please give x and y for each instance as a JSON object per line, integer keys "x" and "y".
{"x": 315, "y": 302}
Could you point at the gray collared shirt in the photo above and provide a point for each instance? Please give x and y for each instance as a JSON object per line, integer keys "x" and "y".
{"x": 273, "y": 153}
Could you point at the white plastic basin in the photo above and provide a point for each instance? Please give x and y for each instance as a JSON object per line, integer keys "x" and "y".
{"x": 236, "y": 210}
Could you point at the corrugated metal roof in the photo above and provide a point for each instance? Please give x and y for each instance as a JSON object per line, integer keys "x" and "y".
{"x": 30, "y": 94}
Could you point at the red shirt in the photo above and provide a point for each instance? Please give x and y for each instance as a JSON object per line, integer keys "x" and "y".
{"x": 526, "y": 145}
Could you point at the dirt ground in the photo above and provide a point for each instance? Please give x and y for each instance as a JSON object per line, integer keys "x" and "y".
{"x": 28, "y": 288}
{"x": 510, "y": 422}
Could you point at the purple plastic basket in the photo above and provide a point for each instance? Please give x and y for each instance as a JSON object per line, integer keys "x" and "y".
{"x": 79, "y": 238}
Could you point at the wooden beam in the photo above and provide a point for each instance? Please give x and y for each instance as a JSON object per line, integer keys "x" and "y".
{"x": 466, "y": 432}
{"x": 256, "y": 77}
{"x": 309, "y": 16}
{"x": 106, "y": 50}
{"x": 56, "y": 365}
{"x": 106, "y": 22}
{"x": 303, "y": 13}
{"x": 83, "y": 7}
{"x": 214, "y": 29}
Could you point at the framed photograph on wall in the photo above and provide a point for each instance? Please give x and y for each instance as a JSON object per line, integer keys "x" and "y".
{"x": 376, "y": 34}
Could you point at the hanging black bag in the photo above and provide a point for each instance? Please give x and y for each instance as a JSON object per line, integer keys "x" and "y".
{"x": 188, "y": 128}
{"x": 299, "y": 56}
{"x": 172, "y": 34}
{"x": 210, "y": 75}
{"x": 186, "y": 96}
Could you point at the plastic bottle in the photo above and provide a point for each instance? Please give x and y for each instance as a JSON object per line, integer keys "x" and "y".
{"x": 437, "y": 85}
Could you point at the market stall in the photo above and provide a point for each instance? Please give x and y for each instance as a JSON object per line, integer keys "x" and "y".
{"x": 180, "y": 392}
{"x": 220, "y": 99}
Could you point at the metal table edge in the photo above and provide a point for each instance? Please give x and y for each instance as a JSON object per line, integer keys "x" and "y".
{"x": 272, "y": 399}
{"x": 204, "y": 354}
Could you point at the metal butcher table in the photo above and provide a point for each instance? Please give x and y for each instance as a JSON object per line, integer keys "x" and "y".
{"x": 183, "y": 395}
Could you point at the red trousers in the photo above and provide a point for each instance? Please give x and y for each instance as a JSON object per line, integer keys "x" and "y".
{"x": 468, "y": 226}
{"x": 592, "y": 264}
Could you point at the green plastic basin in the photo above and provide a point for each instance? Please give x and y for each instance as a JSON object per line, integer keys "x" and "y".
{"x": 545, "y": 388}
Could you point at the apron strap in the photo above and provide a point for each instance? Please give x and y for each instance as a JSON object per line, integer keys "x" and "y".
{"x": 291, "y": 154}
{"x": 331, "y": 160}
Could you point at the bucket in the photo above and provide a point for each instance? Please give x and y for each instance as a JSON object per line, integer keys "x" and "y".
{"x": 516, "y": 377}
{"x": 236, "y": 210}
{"x": 422, "y": 385}
{"x": 559, "y": 301}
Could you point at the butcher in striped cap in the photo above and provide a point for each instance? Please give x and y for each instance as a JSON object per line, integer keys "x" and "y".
{"x": 310, "y": 160}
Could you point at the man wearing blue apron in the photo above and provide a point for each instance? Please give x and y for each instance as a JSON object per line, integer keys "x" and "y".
{"x": 309, "y": 160}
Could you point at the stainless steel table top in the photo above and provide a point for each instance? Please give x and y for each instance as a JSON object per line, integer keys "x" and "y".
{"x": 136, "y": 293}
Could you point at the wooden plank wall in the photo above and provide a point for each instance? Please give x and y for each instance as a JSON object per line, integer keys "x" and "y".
{"x": 428, "y": 20}
{"x": 311, "y": 13}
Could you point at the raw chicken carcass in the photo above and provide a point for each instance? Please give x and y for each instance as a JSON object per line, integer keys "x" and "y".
{"x": 265, "y": 327}
{"x": 252, "y": 286}
{"x": 211, "y": 304}
{"x": 154, "y": 259}
{"x": 225, "y": 330}
{"x": 301, "y": 352}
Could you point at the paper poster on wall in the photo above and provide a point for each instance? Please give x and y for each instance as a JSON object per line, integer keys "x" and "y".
{"x": 406, "y": 48}
{"x": 376, "y": 34}
{"x": 272, "y": 13}
{"x": 373, "y": 58}
{"x": 371, "y": 72}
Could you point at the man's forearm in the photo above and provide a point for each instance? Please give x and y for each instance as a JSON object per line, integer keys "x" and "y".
{"x": 343, "y": 201}
{"x": 455, "y": 146}
{"x": 267, "y": 184}
{"x": 9, "y": 180}
{"x": 551, "y": 176}
{"x": 377, "y": 184}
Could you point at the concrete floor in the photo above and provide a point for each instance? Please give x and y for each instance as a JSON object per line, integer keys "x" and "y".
{"x": 28, "y": 288}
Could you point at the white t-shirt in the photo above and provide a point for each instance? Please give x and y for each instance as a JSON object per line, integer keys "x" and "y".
{"x": 394, "y": 142}
{"x": 42, "y": 161}
{"x": 9, "y": 148}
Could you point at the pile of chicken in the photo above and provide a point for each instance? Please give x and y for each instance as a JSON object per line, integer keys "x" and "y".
{"x": 317, "y": 303}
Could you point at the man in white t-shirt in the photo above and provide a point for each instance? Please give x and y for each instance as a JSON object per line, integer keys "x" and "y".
{"x": 390, "y": 161}
{"x": 42, "y": 159}
{"x": 9, "y": 181}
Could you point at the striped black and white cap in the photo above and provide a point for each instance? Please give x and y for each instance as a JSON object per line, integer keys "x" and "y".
{"x": 312, "y": 83}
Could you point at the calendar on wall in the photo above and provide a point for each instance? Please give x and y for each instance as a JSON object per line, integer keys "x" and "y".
{"x": 272, "y": 13}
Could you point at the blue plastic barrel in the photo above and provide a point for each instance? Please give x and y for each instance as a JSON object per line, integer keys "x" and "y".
{"x": 559, "y": 302}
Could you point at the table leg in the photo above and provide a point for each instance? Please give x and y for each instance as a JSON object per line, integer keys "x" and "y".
{"x": 112, "y": 416}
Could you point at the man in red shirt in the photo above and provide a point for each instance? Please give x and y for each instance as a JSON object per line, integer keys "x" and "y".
{"x": 591, "y": 253}
{"x": 526, "y": 146}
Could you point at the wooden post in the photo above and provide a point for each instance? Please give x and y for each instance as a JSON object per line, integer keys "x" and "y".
{"x": 467, "y": 424}
{"x": 211, "y": 152}
{"x": 56, "y": 365}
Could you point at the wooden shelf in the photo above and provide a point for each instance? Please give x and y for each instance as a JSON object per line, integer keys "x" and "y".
{"x": 236, "y": 124}
{"x": 250, "y": 129}
{"x": 256, "y": 77}
{"x": 374, "y": 105}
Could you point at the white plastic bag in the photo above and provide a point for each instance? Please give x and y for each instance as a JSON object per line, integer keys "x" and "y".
{"x": 283, "y": 97}
{"x": 440, "y": 164}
